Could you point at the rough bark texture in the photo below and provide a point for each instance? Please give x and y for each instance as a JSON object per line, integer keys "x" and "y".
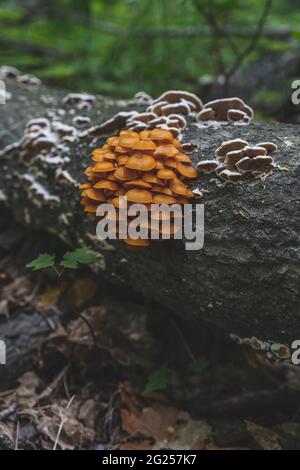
{"x": 245, "y": 279}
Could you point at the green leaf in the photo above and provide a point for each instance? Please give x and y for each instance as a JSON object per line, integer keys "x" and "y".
{"x": 83, "y": 255}
{"x": 44, "y": 260}
{"x": 161, "y": 379}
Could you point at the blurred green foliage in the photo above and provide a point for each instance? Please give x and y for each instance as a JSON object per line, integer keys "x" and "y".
{"x": 119, "y": 47}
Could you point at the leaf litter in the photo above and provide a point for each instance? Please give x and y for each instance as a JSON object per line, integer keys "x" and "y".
{"x": 106, "y": 378}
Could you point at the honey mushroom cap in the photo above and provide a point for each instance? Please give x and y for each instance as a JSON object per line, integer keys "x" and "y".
{"x": 182, "y": 157}
{"x": 109, "y": 155}
{"x": 123, "y": 160}
{"x": 94, "y": 194}
{"x": 152, "y": 178}
{"x": 123, "y": 150}
{"x": 162, "y": 190}
{"x": 171, "y": 163}
{"x": 128, "y": 141}
{"x": 166, "y": 174}
{"x": 106, "y": 184}
{"x": 142, "y": 196}
{"x": 144, "y": 145}
{"x": 168, "y": 150}
{"x": 100, "y": 167}
{"x": 140, "y": 242}
{"x": 125, "y": 174}
{"x": 138, "y": 183}
{"x": 130, "y": 133}
{"x": 161, "y": 134}
{"x": 91, "y": 208}
{"x": 178, "y": 187}
{"x": 114, "y": 141}
{"x": 187, "y": 171}
{"x": 141, "y": 162}
{"x": 163, "y": 199}
{"x": 118, "y": 201}
{"x": 159, "y": 165}
{"x": 98, "y": 158}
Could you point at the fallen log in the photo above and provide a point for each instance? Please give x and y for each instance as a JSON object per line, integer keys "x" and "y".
{"x": 244, "y": 280}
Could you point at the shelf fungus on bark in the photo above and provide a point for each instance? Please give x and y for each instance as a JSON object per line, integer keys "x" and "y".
{"x": 168, "y": 112}
{"x": 11, "y": 73}
{"x": 43, "y": 141}
{"x": 147, "y": 167}
{"x": 237, "y": 160}
{"x": 226, "y": 110}
{"x": 79, "y": 100}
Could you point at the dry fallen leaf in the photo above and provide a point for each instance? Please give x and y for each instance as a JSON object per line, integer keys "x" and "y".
{"x": 48, "y": 298}
{"x": 163, "y": 425}
{"x": 17, "y": 292}
{"x": 73, "y": 433}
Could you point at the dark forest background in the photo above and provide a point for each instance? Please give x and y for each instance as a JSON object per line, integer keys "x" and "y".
{"x": 119, "y": 47}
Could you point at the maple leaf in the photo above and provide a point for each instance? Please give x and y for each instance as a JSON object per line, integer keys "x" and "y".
{"x": 83, "y": 255}
{"x": 44, "y": 260}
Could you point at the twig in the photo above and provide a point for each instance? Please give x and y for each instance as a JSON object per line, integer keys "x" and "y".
{"x": 63, "y": 419}
{"x": 47, "y": 392}
{"x": 17, "y": 435}
{"x": 217, "y": 32}
{"x": 258, "y": 32}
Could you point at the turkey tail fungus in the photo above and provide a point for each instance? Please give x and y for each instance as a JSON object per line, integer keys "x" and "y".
{"x": 237, "y": 160}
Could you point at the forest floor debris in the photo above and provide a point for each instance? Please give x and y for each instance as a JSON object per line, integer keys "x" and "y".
{"x": 116, "y": 372}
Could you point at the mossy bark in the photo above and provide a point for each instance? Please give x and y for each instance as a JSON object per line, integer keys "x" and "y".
{"x": 246, "y": 279}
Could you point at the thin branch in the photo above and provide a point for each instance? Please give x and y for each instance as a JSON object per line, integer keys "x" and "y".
{"x": 63, "y": 420}
{"x": 252, "y": 44}
{"x": 208, "y": 11}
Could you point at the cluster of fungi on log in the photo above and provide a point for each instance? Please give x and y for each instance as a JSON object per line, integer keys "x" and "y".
{"x": 226, "y": 110}
{"x": 237, "y": 160}
{"x": 146, "y": 167}
{"x": 168, "y": 111}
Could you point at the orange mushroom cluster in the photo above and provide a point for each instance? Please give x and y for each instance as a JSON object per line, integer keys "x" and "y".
{"x": 145, "y": 167}
{"x": 236, "y": 160}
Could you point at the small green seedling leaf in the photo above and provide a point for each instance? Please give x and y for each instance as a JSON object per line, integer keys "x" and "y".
{"x": 83, "y": 255}
{"x": 44, "y": 260}
{"x": 161, "y": 379}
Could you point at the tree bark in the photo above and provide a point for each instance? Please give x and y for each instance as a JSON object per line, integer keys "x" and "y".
{"x": 244, "y": 280}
